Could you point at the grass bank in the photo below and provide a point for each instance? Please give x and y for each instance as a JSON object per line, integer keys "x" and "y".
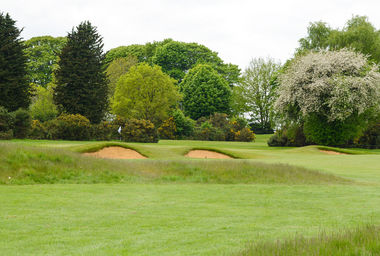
{"x": 21, "y": 164}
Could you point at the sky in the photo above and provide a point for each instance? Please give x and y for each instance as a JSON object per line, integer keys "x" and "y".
{"x": 238, "y": 30}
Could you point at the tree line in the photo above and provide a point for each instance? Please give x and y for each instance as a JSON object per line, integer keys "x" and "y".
{"x": 317, "y": 87}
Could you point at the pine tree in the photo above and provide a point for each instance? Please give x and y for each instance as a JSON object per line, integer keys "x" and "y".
{"x": 14, "y": 87}
{"x": 81, "y": 80}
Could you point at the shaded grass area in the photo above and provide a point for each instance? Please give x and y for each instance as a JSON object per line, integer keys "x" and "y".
{"x": 360, "y": 241}
{"x": 21, "y": 164}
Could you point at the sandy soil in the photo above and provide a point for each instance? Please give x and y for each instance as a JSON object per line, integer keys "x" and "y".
{"x": 206, "y": 154}
{"x": 116, "y": 153}
{"x": 329, "y": 152}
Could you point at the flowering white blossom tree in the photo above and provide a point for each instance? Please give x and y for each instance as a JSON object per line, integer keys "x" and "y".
{"x": 330, "y": 88}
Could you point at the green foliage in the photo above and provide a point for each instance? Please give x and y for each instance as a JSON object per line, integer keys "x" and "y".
{"x": 143, "y": 53}
{"x": 177, "y": 58}
{"x": 168, "y": 129}
{"x": 14, "y": 87}
{"x": 139, "y": 131}
{"x": 245, "y": 135}
{"x": 257, "y": 92}
{"x": 370, "y": 137}
{"x": 38, "y": 130}
{"x": 42, "y": 53}
{"x": 116, "y": 69}
{"x": 6, "y": 120}
{"x": 289, "y": 136}
{"x": 336, "y": 133}
{"x": 358, "y": 34}
{"x": 145, "y": 92}
{"x": 184, "y": 125}
{"x": 71, "y": 127}
{"x": 81, "y": 81}
{"x": 104, "y": 131}
{"x": 43, "y": 107}
{"x": 205, "y": 92}
{"x": 22, "y": 123}
{"x": 208, "y": 132}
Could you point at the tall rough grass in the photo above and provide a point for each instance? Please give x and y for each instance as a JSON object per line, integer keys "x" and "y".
{"x": 32, "y": 165}
{"x": 363, "y": 241}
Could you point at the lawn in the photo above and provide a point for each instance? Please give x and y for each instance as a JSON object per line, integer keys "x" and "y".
{"x": 170, "y": 205}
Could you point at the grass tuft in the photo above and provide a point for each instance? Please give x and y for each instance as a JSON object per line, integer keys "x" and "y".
{"x": 360, "y": 241}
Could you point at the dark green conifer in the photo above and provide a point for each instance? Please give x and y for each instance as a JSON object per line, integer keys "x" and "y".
{"x": 81, "y": 80}
{"x": 14, "y": 87}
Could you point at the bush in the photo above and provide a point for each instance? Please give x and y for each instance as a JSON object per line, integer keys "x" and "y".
{"x": 168, "y": 129}
{"x": 208, "y": 132}
{"x": 291, "y": 136}
{"x": 139, "y": 131}
{"x": 184, "y": 125}
{"x": 335, "y": 133}
{"x": 245, "y": 134}
{"x": 104, "y": 131}
{"x": 71, "y": 127}
{"x": 259, "y": 129}
{"x": 6, "y": 124}
{"x": 38, "y": 130}
{"x": 370, "y": 137}
{"x": 6, "y": 135}
{"x": 22, "y": 123}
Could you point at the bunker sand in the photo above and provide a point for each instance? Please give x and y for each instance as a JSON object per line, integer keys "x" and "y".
{"x": 206, "y": 154}
{"x": 329, "y": 152}
{"x": 116, "y": 153}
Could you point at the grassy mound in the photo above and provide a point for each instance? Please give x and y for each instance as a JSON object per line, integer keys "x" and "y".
{"x": 36, "y": 165}
{"x": 361, "y": 241}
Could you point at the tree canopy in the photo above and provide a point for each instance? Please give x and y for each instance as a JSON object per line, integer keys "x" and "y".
{"x": 205, "y": 92}
{"x": 81, "y": 81}
{"x": 145, "y": 92}
{"x": 258, "y": 91}
{"x": 14, "y": 87}
{"x": 330, "y": 91}
{"x": 42, "y": 53}
{"x": 358, "y": 34}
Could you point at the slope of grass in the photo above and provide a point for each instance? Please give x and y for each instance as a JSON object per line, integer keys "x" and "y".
{"x": 31, "y": 165}
{"x": 360, "y": 241}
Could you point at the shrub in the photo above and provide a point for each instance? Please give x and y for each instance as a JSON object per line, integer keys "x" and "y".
{"x": 71, "y": 127}
{"x": 370, "y": 137}
{"x": 208, "y": 132}
{"x": 6, "y": 135}
{"x": 291, "y": 136}
{"x": 104, "y": 131}
{"x": 184, "y": 125}
{"x": 139, "y": 131}
{"x": 22, "y": 123}
{"x": 6, "y": 124}
{"x": 38, "y": 130}
{"x": 168, "y": 129}
{"x": 245, "y": 134}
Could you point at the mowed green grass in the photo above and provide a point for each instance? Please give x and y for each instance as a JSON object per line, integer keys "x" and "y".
{"x": 171, "y": 205}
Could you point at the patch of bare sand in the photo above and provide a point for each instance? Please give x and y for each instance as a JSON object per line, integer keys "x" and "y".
{"x": 116, "y": 153}
{"x": 206, "y": 154}
{"x": 329, "y": 152}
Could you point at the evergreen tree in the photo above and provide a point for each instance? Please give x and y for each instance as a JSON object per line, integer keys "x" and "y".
{"x": 14, "y": 87}
{"x": 80, "y": 77}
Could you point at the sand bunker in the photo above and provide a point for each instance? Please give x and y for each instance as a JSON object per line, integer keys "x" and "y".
{"x": 116, "y": 153}
{"x": 329, "y": 152}
{"x": 206, "y": 154}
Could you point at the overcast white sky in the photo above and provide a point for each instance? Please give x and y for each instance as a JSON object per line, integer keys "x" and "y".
{"x": 238, "y": 30}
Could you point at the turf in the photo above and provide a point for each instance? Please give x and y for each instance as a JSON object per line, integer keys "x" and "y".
{"x": 171, "y": 205}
